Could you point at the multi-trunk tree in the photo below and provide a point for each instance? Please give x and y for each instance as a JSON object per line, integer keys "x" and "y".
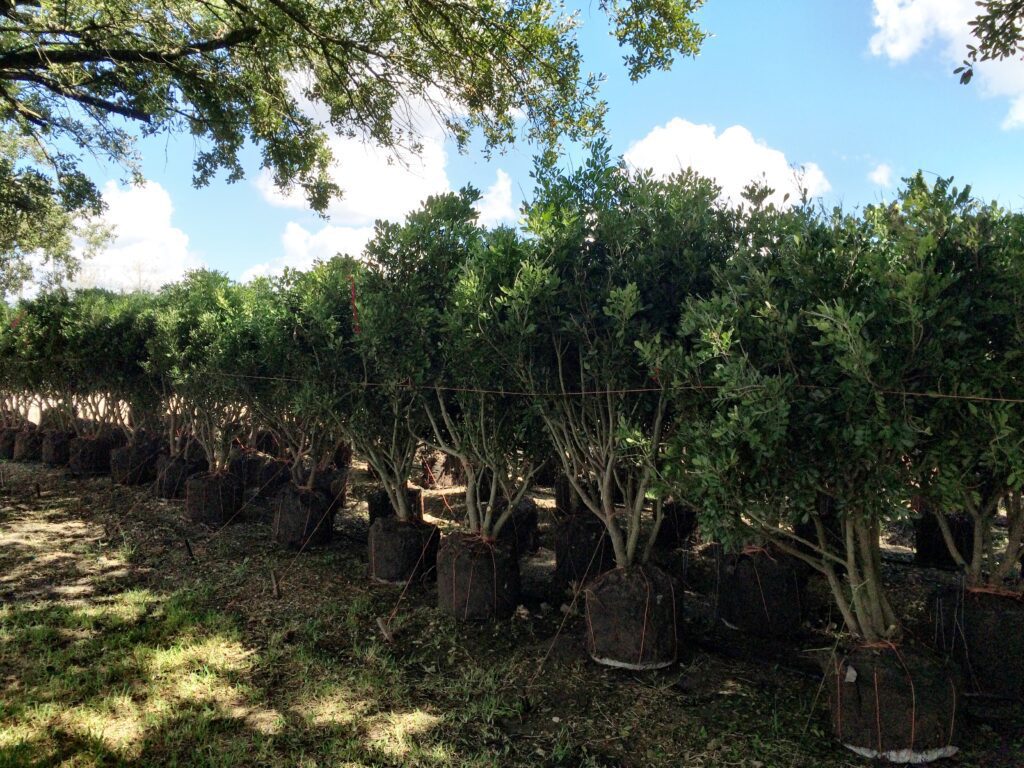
{"x": 476, "y": 413}
{"x": 809, "y": 352}
{"x": 400, "y": 295}
{"x": 789, "y": 433}
{"x": 970, "y": 460}
{"x": 195, "y": 344}
{"x": 293, "y": 364}
{"x": 615, "y": 256}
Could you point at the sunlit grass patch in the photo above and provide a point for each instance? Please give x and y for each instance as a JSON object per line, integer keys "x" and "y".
{"x": 196, "y": 663}
{"x": 394, "y": 733}
{"x": 106, "y": 672}
{"x": 115, "y": 720}
{"x": 330, "y": 703}
{"x": 113, "y": 689}
{"x": 215, "y": 655}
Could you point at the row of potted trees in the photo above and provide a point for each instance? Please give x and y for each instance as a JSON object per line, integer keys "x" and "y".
{"x": 798, "y": 378}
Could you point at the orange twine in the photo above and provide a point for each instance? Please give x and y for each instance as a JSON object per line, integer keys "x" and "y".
{"x": 412, "y": 575}
{"x": 433, "y": 480}
{"x": 757, "y": 549}
{"x": 760, "y": 589}
{"x": 997, "y": 591}
{"x": 952, "y": 715}
{"x": 910, "y": 679}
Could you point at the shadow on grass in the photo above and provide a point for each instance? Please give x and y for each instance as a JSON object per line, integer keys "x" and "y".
{"x": 99, "y": 667}
{"x": 196, "y": 736}
{"x": 139, "y": 678}
{"x": 117, "y": 648}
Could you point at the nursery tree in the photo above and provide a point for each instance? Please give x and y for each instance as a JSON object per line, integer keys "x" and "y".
{"x": 296, "y": 362}
{"x": 965, "y": 314}
{"x": 35, "y": 352}
{"x": 88, "y": 347}
{"x": 493, "y": 432}
{"x": 107, "y": 342}
{"x": 133, "y": 321}
{"x": 250, "y": 340}
{"x": 160, "y": 363}
{"x": 969, "y": 411}
{"x": 10, "y": 384}
{"x": 195, "y": 342}
{"x": 479, "y": 417}
{"x": 37, "y": 356}
{"x": 802, "y": 355}
{"x": 616, "y": 255}
{"x": 83, "y": 353}
{"x": 401, "y": 295}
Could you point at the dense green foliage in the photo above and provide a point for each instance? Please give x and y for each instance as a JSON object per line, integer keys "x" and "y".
{"x": 967, "y": 340}
{"x": 495, "y": 435}
{"x": 300, "y": 326}
{"x": 197, "y": 345}
{"x": 797, "y": 376}
{"x": 792, "y": 431}
{"x": 401, "y": 295}
{"x": 616, "y": 255}
{"x": 85, "y": 355}
{"x": 848, "y": 364}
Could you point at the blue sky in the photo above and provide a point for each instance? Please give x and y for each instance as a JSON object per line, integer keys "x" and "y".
{"x": 858, "y": 92}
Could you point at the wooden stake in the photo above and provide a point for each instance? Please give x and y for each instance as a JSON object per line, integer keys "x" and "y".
{"x": 188, "y": 547}
{"x": 275, "y": 585}
{"x": 384, "y": 630}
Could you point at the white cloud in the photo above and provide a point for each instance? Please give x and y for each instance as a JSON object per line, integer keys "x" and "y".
{"x": 1015, "y": 117}
{"x": 302, "y": 247}
{"x": 495, "y": 205}
{"x": 380, "y": 183}
{"x": 881, "y": 175}
{"x": 377, "y": 183}
{"x": 147, "y": 251}
{"x": 733, "y": 158}
{"x": 906, "y": 28}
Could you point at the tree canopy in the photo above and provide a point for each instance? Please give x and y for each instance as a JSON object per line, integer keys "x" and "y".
{"x": 998, "y": 30}
{"x": 89, "y": 77}
{"x": 40, "y": 219}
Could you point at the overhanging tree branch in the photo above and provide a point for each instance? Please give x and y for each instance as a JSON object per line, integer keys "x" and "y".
{"x": 46, "y": 58}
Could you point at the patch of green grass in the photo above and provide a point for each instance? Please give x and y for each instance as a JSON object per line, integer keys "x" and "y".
{"x": 103, "y": 677}
{"x": 154, "y": 659}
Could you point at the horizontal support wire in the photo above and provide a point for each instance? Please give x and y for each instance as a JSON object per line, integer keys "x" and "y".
{"x": 598, "y": 392}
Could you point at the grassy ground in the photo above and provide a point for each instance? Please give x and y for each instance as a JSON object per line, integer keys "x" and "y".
{"x": 118, "y": 647}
